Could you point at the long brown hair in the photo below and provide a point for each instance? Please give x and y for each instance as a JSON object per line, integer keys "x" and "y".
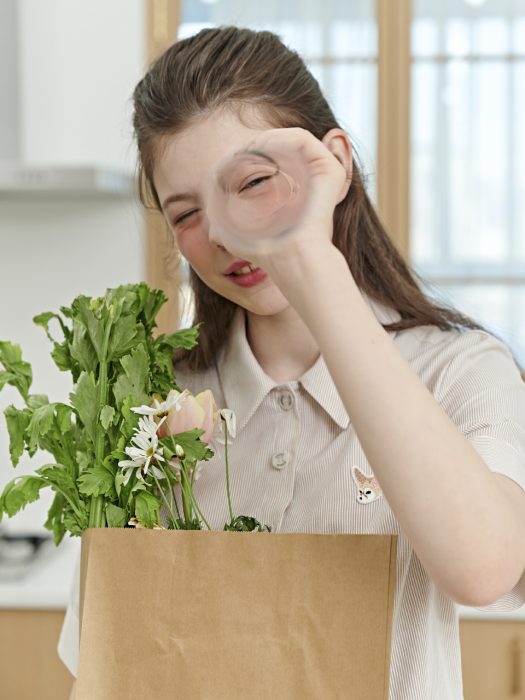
{"x": 230, "y": 67}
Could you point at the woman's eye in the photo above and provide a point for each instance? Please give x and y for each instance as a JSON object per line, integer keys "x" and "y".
{"x": 184, "y": 216}
{"x": 255, "y": 182}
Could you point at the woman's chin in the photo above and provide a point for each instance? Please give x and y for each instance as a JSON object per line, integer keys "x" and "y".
{"x": 267, "y": 301}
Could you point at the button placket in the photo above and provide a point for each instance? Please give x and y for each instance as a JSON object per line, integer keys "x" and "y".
{"x": 280, "y": 460}
{"x": 286, "y": 400}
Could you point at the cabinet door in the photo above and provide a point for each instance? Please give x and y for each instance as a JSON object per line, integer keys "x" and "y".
{"x": 30, "y": 668}
{"x": 493, "y": 659}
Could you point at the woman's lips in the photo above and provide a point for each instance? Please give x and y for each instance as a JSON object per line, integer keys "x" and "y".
{"x": 236, "y": 266}
{"x": 250, "y": 279}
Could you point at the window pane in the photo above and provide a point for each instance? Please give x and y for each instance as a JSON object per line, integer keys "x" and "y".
{"x": 499, "y": 308}
{"x": 468, "y": 156}
{"x": 338, "y": 40}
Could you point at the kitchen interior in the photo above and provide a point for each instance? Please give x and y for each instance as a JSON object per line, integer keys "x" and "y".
{"x": 71, "y": 222}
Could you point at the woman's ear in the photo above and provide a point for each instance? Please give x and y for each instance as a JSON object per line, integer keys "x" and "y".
{"x": 338, "y": 143}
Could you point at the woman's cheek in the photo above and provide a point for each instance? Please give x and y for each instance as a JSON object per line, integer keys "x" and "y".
{"x": 195, "y": 246}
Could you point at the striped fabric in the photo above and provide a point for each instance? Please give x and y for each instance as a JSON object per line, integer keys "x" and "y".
{"x": 291, "y": 467}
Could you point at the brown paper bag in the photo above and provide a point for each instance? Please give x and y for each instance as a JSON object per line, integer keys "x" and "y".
{"x": 235, "y": 616}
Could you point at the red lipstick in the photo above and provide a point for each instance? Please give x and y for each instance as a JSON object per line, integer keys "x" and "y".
{"x": 250, "y": 279}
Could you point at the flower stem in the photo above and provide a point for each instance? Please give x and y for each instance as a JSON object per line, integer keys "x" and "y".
{"x": 165, "y": 500}
{"x": 186, "y": 504}
{"x": 175, "y": 497}
{"x": 172, "y": 496}
{"x": 199, "y": 510}
{"x": 186, "y": 492}
{"x": 227, "y": 470}
{"x": 176, "y": 504}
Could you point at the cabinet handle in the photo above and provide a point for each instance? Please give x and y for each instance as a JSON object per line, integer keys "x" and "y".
{"x": 516, "y": 648}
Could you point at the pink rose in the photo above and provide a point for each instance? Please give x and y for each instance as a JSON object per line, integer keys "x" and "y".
{"x": 198, "y": 412}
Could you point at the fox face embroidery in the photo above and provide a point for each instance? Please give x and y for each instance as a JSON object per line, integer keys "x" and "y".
{"x": 367, "y": 486}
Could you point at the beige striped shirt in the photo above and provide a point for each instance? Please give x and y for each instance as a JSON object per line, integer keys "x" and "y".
{"x": 292, "y": 462}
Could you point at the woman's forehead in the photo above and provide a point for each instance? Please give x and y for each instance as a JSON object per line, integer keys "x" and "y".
{"x": 188, "y": 156}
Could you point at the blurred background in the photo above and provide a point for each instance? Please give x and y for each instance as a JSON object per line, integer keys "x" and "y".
{"x": 432, "y": 94}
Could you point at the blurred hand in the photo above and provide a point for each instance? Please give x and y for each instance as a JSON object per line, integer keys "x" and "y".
{"x": 328, "y": 171}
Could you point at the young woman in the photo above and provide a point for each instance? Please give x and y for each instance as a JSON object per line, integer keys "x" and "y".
{"x": 362, "y": 407}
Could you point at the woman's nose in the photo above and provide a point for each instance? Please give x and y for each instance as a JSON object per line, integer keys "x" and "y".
{"x": 213, "y": 233}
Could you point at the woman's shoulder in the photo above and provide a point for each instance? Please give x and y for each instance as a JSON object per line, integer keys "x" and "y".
{"x": 458, "y": 361}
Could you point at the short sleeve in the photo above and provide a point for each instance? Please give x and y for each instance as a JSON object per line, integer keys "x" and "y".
{"x": 68, "y": 644}
{"x": 481, "y": 389}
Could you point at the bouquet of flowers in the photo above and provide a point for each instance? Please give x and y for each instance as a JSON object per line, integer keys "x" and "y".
{"x": 120, "y": 449}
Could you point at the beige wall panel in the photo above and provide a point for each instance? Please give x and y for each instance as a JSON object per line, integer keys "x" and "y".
{"x": 30, "y": 668}
{"x": 493, "y": 659}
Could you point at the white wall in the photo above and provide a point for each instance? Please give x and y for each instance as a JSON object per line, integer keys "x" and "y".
{"x": 49, "y": 253}
{"x": 80, "y": 60}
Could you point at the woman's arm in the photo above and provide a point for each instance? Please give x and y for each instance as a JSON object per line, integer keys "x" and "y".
{"x": 473, "y": 547}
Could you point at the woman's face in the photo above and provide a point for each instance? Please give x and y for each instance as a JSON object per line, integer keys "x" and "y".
{"x": 179, "y": 179}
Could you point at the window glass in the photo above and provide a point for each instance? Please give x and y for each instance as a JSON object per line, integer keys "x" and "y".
{"x": 468, "y": 158}
{"x": 338, "y": 40}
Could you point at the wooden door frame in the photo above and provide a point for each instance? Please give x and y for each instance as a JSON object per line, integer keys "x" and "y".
{"x": 393, "y": 119}
{"x": 163, "y": 263}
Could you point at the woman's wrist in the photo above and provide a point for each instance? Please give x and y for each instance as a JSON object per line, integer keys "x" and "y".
{"x": 305, "y": 262}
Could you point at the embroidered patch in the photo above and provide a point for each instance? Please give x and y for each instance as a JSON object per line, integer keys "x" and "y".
{"x": 367, "y": 486}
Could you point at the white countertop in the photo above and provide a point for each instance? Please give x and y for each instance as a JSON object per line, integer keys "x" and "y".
{"x": 48, "y": 585}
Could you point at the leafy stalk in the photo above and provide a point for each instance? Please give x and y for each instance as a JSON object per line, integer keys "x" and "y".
{"x": 97, "y": 516}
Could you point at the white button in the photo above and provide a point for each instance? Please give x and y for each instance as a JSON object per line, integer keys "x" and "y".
{"x": 280, "y": 460}
{"x": 286, "y": 400}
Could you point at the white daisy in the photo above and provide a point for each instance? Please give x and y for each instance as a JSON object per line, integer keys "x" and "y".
{"x": 145, "y": 447}
{"x": 228, "y": 417}
{"x": 175, "y": 400}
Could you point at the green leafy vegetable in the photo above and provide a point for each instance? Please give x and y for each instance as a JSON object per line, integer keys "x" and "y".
{"x": 116, "y": 365}
{"x": 146, "y": 508}
{"x": 116, "y": 517}
{"x": 106, "y": 416}
{"x": 17, "y": 422}
{"x": 84, "y": 398}
{"x": 135, "y": 379}
{"x": 19, "y": 492}
{"x": 54, "y": 520}
{"x": 17, "y": 372}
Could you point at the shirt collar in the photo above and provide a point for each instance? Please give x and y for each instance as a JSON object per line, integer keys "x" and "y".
{"x": 245, "y": 384}
{"x": 243, "y": 381}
